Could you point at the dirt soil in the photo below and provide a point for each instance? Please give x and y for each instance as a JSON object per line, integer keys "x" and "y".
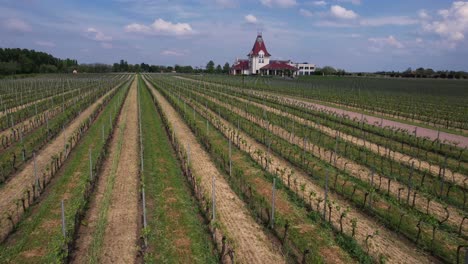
{"x": 120, "y": 244}
{"x": 250, "y": 242}
{"x": 106, "y": 181}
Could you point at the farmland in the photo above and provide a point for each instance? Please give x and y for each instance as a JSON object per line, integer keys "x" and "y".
{"x": 168, "y": 168}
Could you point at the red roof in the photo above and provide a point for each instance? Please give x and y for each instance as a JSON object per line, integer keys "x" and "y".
{"x": 258, "y": 46}
{"x": 241, "y": 65}
{"x": 278, "y": 65}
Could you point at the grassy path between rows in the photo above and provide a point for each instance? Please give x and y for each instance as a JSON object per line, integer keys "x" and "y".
{"x": 176, "y": 233}
{"x": 90, "y": 241}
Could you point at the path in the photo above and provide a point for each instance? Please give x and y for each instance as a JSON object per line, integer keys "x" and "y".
{"x": 120, "y": 242}
{"x": 90, "y": 234}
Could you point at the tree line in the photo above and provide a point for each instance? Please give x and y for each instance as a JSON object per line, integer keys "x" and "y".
{"x": 426, "y": 73}
{"x": 24, "y": 61}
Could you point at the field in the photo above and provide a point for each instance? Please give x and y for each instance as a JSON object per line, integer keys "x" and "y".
{"x": 167, "y": 168}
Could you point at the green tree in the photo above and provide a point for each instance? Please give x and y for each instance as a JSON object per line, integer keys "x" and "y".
{"x": 226, "y": 68}
{"x": 328, "y": 70}
{"x": 210, "y": 67}
{"x": 219, "y": 69}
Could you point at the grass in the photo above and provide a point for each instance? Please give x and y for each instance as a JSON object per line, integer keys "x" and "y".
{"x": 176, "y": 233}
{"x": 39, "y": 238}
{"x": 98, "y": 236}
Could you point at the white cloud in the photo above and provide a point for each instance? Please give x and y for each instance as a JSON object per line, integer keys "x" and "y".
{"x": 45, "y": 43}
{"x": 251, "y": 19}
{"x": 161, "y": 27}
{"x": 171, "y": 52}
{"x": 390, "y": 41}
{"x": 342, "y": 13}
{"x": 452, "y": 24}
{"x": 422, "y": 14}
{"x": 279, "y": 3}
{"x": 391, "y": 20}
{"x": 305, "y": 12}
{"x": 319, "y": 3}
{"x": 15, "y": 24}
{"x": 97, "y": 35}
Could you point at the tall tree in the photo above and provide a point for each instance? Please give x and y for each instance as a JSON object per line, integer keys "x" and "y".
{"x": 210, "y": 67}
{"x": 219, "y": 69}
{"x": 226, "y": 68}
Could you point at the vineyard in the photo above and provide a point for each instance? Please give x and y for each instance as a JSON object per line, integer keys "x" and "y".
{"x": 165, "y": 168}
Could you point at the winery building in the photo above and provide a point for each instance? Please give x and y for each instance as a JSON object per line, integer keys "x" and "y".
{"x": 259, "y": 63}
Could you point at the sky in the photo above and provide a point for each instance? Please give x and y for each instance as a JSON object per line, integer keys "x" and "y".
{"x": 355, "y": 35}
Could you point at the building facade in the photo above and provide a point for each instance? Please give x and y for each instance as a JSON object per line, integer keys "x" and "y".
{"x": 305, "y": 68}
{"x": 259, "y": 63}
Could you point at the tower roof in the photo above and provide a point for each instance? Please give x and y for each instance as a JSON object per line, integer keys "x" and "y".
{"x": 258, "y": 46}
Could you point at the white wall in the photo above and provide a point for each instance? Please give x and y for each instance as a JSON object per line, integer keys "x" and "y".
{"x": 256, "y": 65}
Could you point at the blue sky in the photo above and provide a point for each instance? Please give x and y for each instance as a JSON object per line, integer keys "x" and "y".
{"x": 357, "y": 35}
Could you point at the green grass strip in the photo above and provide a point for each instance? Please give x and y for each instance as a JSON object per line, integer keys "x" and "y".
{"x": 176, "y": 233}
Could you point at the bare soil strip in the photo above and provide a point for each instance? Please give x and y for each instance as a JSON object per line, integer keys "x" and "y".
{"x": 361, "y": 172}
{"x": 87, "y": 236}
{"x": 421, "y": 131}
{"x": 14, "y": 189}
{"x": 120, "y": 242}
{"x": 251, "y": 243}
{"x": 397, "y": 249}
{"x": 379, "y": 113}
{"x": 457, "y": 178}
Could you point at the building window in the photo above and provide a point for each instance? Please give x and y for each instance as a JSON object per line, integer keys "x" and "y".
{"x": 306, "y": 68}
{"x": 301, "y": 68}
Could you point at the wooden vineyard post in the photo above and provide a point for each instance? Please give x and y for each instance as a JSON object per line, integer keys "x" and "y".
{"x": 188, "y": 157}
{"x": 64, "y": 229}
{"x": 372, "y": 188}
{"x": 213, "y": 197}
{"x": 273, "y": 204}
{"x": 90, "y": 165}
{"x": 64, "y": 143}
{"x": 230, "y": 158}
{"x": 410, "y": 183}
{"x": 36, "y": 177}
{"x": 145, "y": 223}
{"x": 326, "y": 197}
{"x": 47, "y": 124}
{"x": 103, "y": 138}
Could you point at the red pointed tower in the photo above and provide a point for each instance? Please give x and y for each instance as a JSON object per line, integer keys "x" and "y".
{"x": 259, "y": 55}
